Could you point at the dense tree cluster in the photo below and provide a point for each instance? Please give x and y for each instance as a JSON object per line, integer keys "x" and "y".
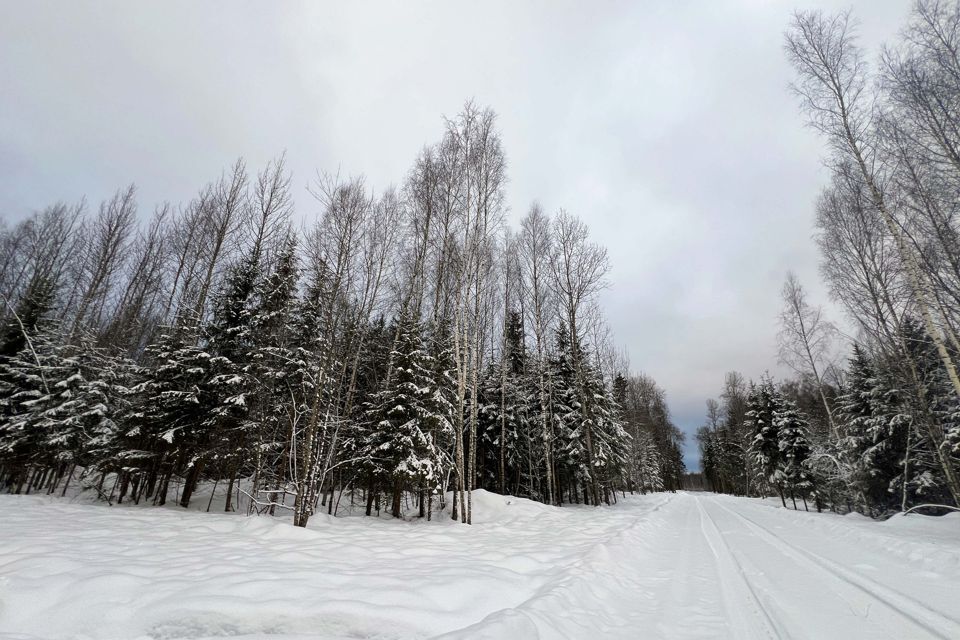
{"x": 883, "y": 434}
{"x": 404, "y": 346}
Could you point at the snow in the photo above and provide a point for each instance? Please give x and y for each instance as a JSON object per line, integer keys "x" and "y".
{"x": 686, "y": 565}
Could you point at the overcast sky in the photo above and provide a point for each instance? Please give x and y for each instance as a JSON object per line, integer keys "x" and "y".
{"x": 667, "y": 126}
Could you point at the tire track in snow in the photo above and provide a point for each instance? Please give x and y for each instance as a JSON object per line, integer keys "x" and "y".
{"x": 890, "y": 600}
{"x": 761, "y": 624}
{"x": 677, "y": 580}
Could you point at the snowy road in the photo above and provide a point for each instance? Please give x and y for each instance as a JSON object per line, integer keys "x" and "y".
{"x": 659, "y": 566}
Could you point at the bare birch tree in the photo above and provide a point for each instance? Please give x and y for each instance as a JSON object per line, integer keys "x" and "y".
{"x": 535, "y": 248}
{"x": 834, "y": 90}
{"x": 805, "y": 340}
{"x": 104, "y": 251}
{"x": 833, "y": 87}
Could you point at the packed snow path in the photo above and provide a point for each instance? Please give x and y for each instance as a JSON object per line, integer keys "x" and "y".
{"x": 658, "y": 566}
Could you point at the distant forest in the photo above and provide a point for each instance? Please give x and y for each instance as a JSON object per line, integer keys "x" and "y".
{"x": 402, "y": 347}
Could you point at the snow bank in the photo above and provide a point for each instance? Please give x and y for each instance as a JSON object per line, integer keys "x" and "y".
{"x": 95, "y": 571}
{"x": 493, "y": 507}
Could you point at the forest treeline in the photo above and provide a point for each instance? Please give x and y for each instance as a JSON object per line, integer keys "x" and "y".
{"x": 402, "y": 346}
{"x": 880, "y": 433}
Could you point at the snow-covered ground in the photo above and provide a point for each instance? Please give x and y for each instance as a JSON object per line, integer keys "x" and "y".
{"x": 685, "y": 565}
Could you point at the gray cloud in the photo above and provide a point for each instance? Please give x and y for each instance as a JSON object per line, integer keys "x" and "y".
{"x": 667, "y": 126}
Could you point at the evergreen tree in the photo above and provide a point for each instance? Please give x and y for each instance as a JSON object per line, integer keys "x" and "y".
{"x": 765, "y": 445}
{"x": 61, "y": 409}
{"x": 277, "y": 358}
{"x": 611, "y": 442}
{"x": 570, "y": 452}
{"x": 231, "y": 385}
{"x": 710, "y": 451}
{"x": 399, "y": 447}
{"x": 109, "y": 445}
{"x": 171, "y": 410}
{"x": 30, "y": 387}
{"x": 505, "y": 416}
{"x": 932, "y": 423}
{"x": 441, "y": 406}
{"x": 648, "y": 463}
{"x": 876, "y": 432}
{"x": 28, "y": 318}
{"x": 496, "y": 428}
{"x": 794, "y": 448}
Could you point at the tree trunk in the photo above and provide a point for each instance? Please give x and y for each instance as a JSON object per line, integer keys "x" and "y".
{"x": 66, "y": 484}
{"x": 397, "y": 505}
{"x": 228, "y": 505}
{"x": 371, "y": 489}
{"x": 190, "y": 483}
